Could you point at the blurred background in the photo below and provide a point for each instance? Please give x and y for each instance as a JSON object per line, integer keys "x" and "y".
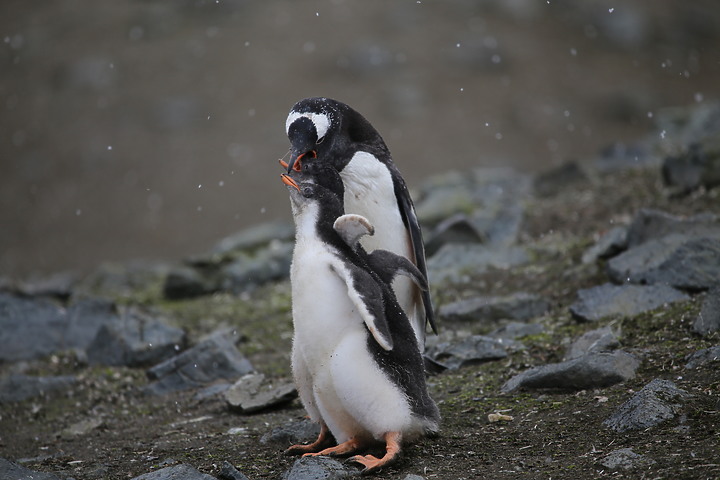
{"x": 151, "y": 129}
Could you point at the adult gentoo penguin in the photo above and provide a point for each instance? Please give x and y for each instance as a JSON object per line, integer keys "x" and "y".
{"x": 333, "y": 132}
{"x": 356, "y": 363}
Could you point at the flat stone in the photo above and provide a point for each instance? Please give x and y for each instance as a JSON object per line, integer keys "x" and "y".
{"x": 13, "y": 471}
{"x": 609, "y": 244}
{"x": 625, "y": 459}
{"x": 469, "y": 351}
{"x": 657, "y": 402}
{"x": 318, "y": 468}
{"x": 251, "y": 393}
{"x": 519, "y": 306}
{"x": 85, "y": 318}
{"x": 703, "y": 357}
{"x": 593, "y": 370}
{"x": 266, "y": 265}
{"x": 624, "y": 300}
{"x": 229, "y": 472}
{"x": 698, "y": 166}
{"x": 135, "y": 341}
{"x": 599, "y": 340}
{"x": 455, "y": 263}
{"x": 29, "y": 327}
{"x": 677, "y": 260}
{"x": 82, "y": 427}
{"x": 177, "y": 472}
{"x": 514, "y": 330}
{"x": 649, "y": 224}
{"x": 18, "y": 387}
{"x": 708, "y": 321}
{"x": 292, "y": 433}
{"x": 215, "y": 358}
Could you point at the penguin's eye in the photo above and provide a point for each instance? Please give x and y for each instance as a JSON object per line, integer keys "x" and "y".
{"x": 307, "y": 192}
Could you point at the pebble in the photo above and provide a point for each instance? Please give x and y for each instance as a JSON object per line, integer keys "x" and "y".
{"x": 469, "y": 351}
{"x": 318, "y": 468}
{"x": 252, "y": 393}
{"x": 624, "y": 300}
{"x": 703, "y": 357}
{"x": 708, "y": 321}
{"x": 599, "y": 340}
{"x": 177, "y": 472}
{"x": 229, "y": 472}
{"x": 593, "y": 370}
{"x": 657, "y": 402}
{"x": 625, "y": 459}
{"x": 292, "y": 433}
{"x": 13, "y": 471}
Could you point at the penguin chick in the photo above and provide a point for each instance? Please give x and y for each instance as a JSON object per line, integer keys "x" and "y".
{"x": 334, "y": 133}
{"x": 355, "y": 360}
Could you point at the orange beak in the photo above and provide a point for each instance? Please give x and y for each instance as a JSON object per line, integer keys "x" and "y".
{"x": 289, "y": 181}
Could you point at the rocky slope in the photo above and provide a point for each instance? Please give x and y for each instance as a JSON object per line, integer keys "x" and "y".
{"x": 579, "y": 313}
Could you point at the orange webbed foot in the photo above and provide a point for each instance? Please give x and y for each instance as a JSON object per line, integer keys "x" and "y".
{"x": 373, "y": 464}
{"x": 345, "y": 448}
{"x": 324, "y": 440}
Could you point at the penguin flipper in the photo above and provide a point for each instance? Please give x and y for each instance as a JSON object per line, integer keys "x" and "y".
{"x": 352, "y": 227}
{"x": 388, "y": 264}
{"x": 367, "y": 296}
{"x": 412, "y": 224}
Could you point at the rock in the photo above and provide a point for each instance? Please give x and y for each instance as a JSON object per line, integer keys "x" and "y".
{"x": 519, "y": 306}
{"x": 85, "y": 318}
{"x": 114, "y": 280}
{"x": 458, "y": 228}
{"x": 292, "y": 433}
{"x": 266, "y": 265}
{"x": 469, "y": 351}
{"x": 317, "y": 468}
{"x": 553, "y": 181}
{"x": 708, "y": 321}
{"x": 18, "y": 387}
{"x": 657, "y": 402}
{"x": 703, "y": 357}
{"x": 255, "y": 237}
{"x": 135, "y": 341}
{"x": 229, "y": 472}
{"x": 59, "y": 285}
{"x": 593, "y": 370}
{"x": 177, "y": 472}
{"x": 215, "y": 358}
{"x": 252, "y": 394}
{"x": 599, "y": 340}
{"x": 609, "y": 244}
{"x": 13, "y": 471}
{"x": 514, "y": 330}
{"x": 625, "y": 300}
{"x": 677, "y": 260}
{"x": 29, "y": 327}
{"x": 454, "y": 262}
{"x": 625, "y": 459}
{"x": 698, "y": 166}
{"x": 620, "y": 156}
{"x": 411, "y": 476}
{"x": 650, "y": 224}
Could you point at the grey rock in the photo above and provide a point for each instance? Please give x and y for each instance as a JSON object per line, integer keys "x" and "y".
{"x": 625, "y": 300}
{"x": 292, "y": 433}
{"x": 657, "y": 402}
{"x": 13, "y": 471}
{"x": 649, "y": 224}
{"x": 255, "y": 237}
{"x": 177, "y": 472}
{"x": 620, "y": 156}
{"x": 519, "y": 306}
{"x": 677, "y": 260}
{"x": 593, "y": 370}
{"x": 411, "y": 476}
{"x": 266, "y": 265}
{"x": 469, "y": 351}
{"x": 212, "y": 390}
{"x": 696, "y": 167}
{"x": 59, "y": 285}
{"x": 29, "y": 327}
{"x": 135, "y": 341}
{"x": 458, "y": 228}
{"x": 599, "y": 340}
{"x": 689, "y": 125}
{"x": 609, "y": 244}
{"x": 82, "y": 427}
{"x": 187, "y": 282}
{"x": 113, "y": 280}
{"x": 318, "y": 468}
{"x": 454, "y": 262}
{"x": 229, "y": 472}
{"x": 215, "y": 358}
{"x": 625, "y": 459}
{"x": 251, "y": 393}
{"x": 708, "y": 321}
{"x": 85, "y": 318}
{"x": 703, "y": 357}
{"x": 514, "y": 330}
{"x": 18, "y": 387}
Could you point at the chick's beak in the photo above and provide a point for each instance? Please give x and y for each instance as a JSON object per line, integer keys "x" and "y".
{"x": 289, "y": 181}
{"x": 296, "y": 160}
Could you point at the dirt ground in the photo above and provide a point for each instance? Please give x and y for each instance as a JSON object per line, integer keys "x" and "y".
{"x": 552, "y": 435}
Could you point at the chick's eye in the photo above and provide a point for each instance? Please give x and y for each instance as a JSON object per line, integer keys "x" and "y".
{"x": 307, "y": 191}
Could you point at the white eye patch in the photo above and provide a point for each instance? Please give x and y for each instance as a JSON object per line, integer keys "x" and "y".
{"x": 320, "y": 120}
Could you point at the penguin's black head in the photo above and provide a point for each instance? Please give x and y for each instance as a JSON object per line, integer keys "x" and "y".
{"x": 306, "y": 191}
{"x": 330, "y": 131}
